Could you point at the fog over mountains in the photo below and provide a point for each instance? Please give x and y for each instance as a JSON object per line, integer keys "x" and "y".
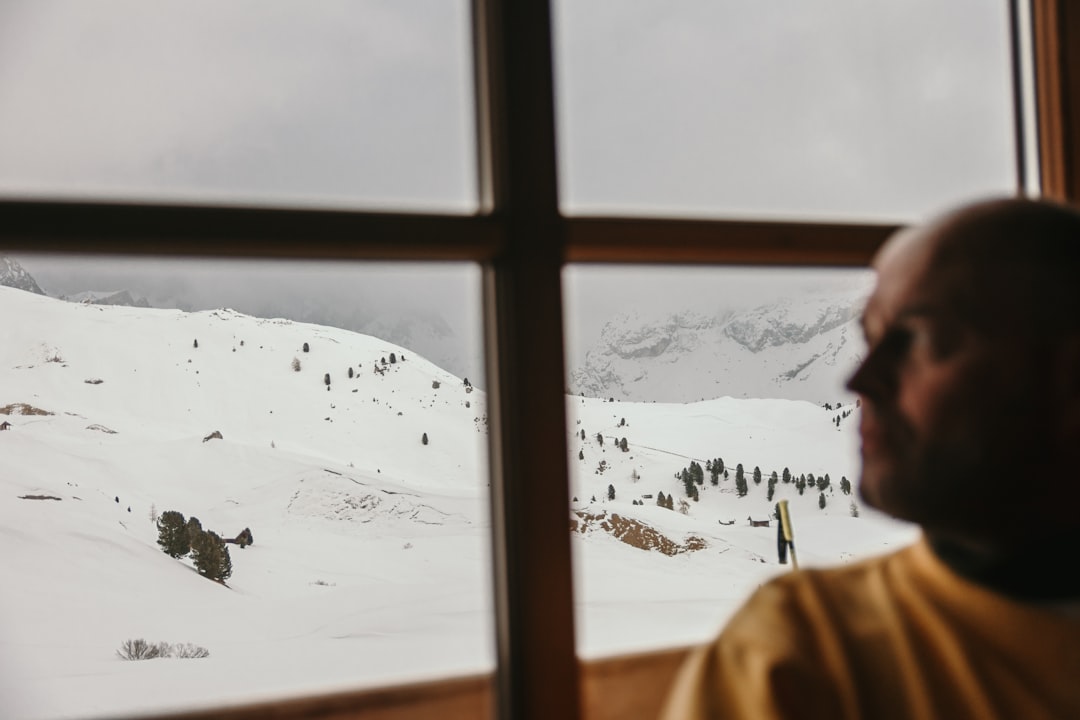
{"x": 797, "y": 349}
{"x": 721, "y": 337}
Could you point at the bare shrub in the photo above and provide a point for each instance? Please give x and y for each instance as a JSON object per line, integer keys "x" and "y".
{"x": 189, "y": 650}
{"x": 140, "y": 649}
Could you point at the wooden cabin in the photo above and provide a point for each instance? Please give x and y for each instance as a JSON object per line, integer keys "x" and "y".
{"x": 522, "y": 240}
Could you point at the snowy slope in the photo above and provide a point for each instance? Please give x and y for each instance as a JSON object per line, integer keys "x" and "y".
{"x": 371, "y": 555}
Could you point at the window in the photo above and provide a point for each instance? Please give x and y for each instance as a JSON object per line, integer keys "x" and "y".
{"x": 522, "y": 244}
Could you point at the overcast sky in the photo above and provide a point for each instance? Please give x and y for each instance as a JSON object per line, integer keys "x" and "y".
{"x": 840, "y": 109}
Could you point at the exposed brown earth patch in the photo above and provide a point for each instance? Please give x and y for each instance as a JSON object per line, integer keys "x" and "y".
{"x": 22, "y": 409}
{"x": 633, "y": 532}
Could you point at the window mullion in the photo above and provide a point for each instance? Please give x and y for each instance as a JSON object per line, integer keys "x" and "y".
{"x": 537, "y": 669}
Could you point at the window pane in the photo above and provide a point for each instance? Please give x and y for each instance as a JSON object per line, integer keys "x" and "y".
{"x": 354, "y": 103}
{"x": 834, "y": 109}
{"x": 703, "y": 365}
{"x": 297, "y": 402}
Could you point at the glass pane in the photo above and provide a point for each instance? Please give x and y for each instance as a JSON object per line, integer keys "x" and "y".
{"x": 833, "y": 109}
{"x": 727, "y": 369}
{"x": 320, "y": 411}
{"x": 353, "y": 103}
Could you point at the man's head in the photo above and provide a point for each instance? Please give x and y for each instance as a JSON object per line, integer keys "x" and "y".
{"x": 970, "y": 388}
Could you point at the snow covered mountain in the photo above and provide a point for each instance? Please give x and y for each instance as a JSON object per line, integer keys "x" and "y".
{"x": 13, "y": 275}
{"x": 111, "y": 297}
{"x": 371, "y": 557}
{"x": 796, "y": 349}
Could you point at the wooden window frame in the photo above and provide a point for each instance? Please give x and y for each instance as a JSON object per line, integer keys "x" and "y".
{"x": 522, "y": 242}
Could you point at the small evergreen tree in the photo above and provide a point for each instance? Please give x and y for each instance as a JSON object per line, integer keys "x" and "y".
{"x": 172, "y": 534}
{"x": 684, "y": 478}
{"x": 757, "y": 475}
{"x": 823, "y": 482}
{"x": 610, "y": 492}
{"x": 193, "y": 530}
{"x": 211, "y": 557}
{"x": 350, "y": 373}
{"x": 623, "y": 446}
{"x": 424, "y": 440}
{"x": 786, "y": 477}
{"x": 845, "y": 486}
{"x": 306, "y": 348}
{"x": 600, "y": 439}
{"x": 393, "y": 359}
{"x": 326, "y": 379}
{"x": 821, "y": 500}
{"x": 669, "y": 503}
{"x": 660, "y": 499}
{"x": 853, "y": 509}
{"x": 582, "y": 433}
{"x": 580, "y": 454}
{"x": 740, "y": 482}
{"x": 196, "y": 345}
{"x": 296, "y": 364}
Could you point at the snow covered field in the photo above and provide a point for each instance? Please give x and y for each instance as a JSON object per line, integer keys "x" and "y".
{"x": 371, "y": 555}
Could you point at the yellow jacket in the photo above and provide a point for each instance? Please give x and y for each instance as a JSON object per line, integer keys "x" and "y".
{"x": 900, "y": 636}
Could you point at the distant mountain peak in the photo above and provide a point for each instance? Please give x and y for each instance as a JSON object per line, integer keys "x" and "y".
{"x": 12, "y": 274}
{"x": 110, "y": 297}
{"x": 798, "y": 349}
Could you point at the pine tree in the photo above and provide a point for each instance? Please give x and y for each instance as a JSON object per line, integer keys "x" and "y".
{"x": 698, "y": 472}
{"x": 600, "y": 439}
{"x": 582, "y": 433}
{"x": 423, "y": 439}
{"x": 196, "y": 345}
{"x": 853, "y": 509}
{"x": 296, "y": 364}
{"x": 757, "y": 475}
{"x": 786, "y": 476}
{"x": 172, "y": 534}
{"x": 821, "y": 500}
{"x": 350, "y": 373}
{"x": 306, "y": 348}
{"x": 211, "y": 556}
{"x": 823, "y": 482}
{"x": 670, "y": 502}
{"x": 610, "y": 492}
{"x": 580, "y": 454}
{"x": 740, "y": 481}
{"x": 326, "y": 379}
{"x": 660, "y": 499}
{"x": 193, "y": 530}
{"x": 845, "y": 486}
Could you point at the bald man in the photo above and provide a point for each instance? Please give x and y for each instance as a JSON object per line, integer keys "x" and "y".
{"x": 970, "y": 427}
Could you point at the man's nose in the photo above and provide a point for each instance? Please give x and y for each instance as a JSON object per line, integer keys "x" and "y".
{"x": 874, "y": 378}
